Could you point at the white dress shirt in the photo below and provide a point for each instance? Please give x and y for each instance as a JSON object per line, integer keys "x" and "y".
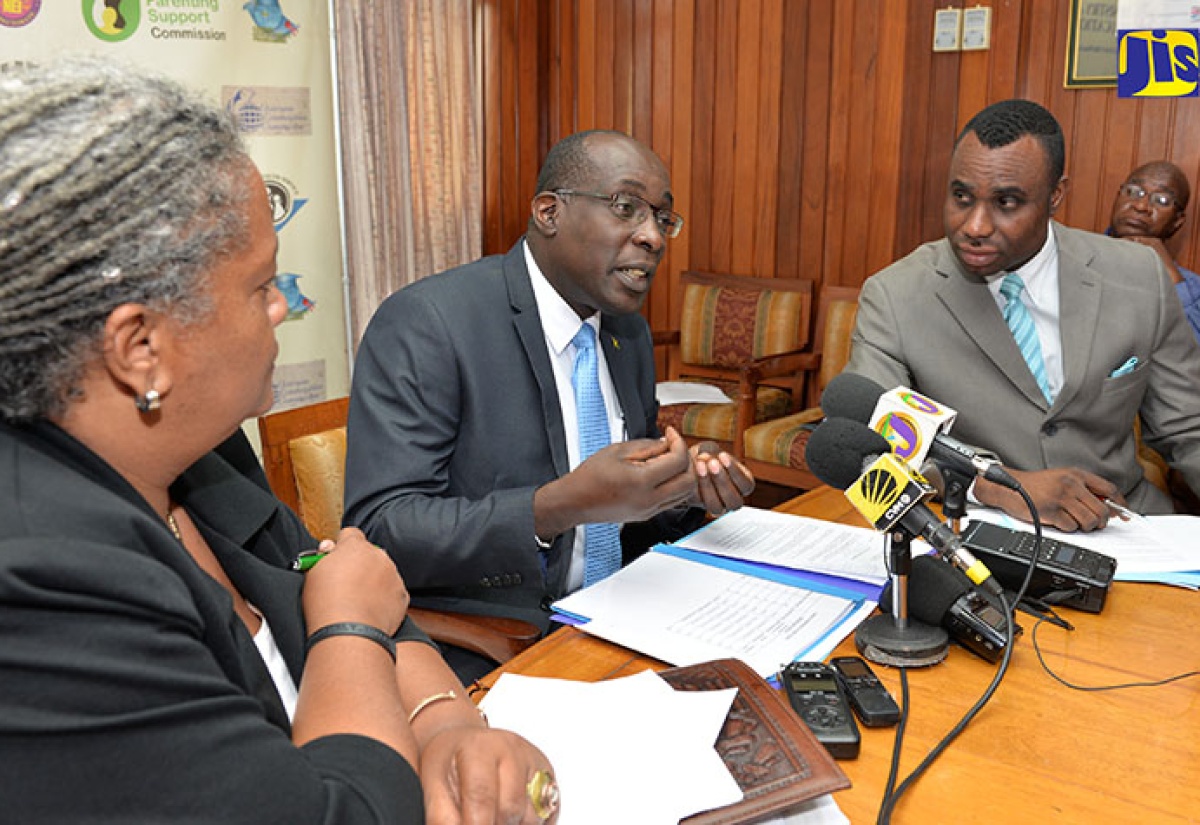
{"x": 560, "y": 323}
{"x": 1040, "y": 275}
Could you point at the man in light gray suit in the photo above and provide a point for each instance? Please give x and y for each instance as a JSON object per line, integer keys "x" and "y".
{"x": 463, "y": 451}
{"x": 1111, "y": 342}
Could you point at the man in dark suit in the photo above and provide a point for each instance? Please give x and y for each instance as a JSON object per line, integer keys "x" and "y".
{"x": 463, "y": 448}
{"x": 1111, "y": 341}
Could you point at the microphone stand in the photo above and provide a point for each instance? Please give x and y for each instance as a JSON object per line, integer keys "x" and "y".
{"x": 897, "y": 640}
{"x": 954, "y": 497}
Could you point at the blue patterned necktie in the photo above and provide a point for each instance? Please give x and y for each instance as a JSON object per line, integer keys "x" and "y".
{"x": 602, "y": 542}
{"x": 1017, "y": 316}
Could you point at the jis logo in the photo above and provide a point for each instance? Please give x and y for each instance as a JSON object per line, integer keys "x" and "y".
{"x": 1158, "y": 63}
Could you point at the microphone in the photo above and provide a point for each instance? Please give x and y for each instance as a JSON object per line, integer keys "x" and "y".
{"x": 940, "y": 595}
{"x": 851, "y": 456}
{"x": 917, "y": 429}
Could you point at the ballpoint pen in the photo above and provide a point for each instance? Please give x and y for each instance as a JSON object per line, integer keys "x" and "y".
{"x": 307, "y": 560}
{"x": 1123, "y": 512}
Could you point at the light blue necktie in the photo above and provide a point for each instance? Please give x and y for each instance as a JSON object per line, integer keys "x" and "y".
{"x": 601, "y": 542}
{"x": 1017, "y": 316}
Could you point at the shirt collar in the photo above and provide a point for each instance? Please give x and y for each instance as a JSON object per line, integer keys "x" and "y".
{"x": 560, "y": 323}
{"x": 1039, "y": 273}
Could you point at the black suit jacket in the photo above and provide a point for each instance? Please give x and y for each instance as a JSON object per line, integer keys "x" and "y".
{"x": 132, "y": 692}
{"x": 455, "y": 422}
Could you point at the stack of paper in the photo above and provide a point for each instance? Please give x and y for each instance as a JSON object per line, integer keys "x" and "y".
{"x": 755, "y": 585}
{"x": 625, "y": 750}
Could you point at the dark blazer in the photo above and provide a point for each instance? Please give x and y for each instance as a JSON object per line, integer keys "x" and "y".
{"x": 131, "y": 690}
{"x": 455, "y": 422}
{"x": 926, "y": 324}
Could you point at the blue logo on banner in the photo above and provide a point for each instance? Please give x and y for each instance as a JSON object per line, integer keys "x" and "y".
{"x": 1158, "y": 63}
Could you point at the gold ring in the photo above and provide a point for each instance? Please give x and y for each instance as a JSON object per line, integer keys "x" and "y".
{"x": 543, "y": 793}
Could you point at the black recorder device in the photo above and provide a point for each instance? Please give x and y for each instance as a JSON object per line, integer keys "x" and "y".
{"x": 818, "y": 699}
{"x": 1065, "y": 575}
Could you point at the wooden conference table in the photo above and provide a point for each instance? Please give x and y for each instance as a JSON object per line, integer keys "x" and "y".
{"x": 1038, "y": 752}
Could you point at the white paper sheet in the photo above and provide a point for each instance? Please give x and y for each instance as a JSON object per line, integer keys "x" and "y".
{"x": 689, "y": 392}
{"x": 795, "y": 542}
{"x": 624, "y": 750}
{"x": 683, "y": 612}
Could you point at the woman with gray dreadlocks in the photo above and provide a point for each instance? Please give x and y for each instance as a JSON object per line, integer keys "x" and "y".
{"x": 159, "y": 661}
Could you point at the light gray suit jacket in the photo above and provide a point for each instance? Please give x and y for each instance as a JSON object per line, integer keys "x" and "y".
{"x": 926, "y": 324}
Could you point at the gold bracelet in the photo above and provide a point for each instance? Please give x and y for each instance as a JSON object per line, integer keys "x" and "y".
{"x": 430, "y": 700}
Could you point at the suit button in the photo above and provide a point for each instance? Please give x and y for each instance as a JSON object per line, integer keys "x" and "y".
{"x": 1050, "y": 428}
{"x": 484, "y": 582}
{"x": 546, "y": 603}
{"x": 495, "y": 581}
{"x": 516, "y": 578}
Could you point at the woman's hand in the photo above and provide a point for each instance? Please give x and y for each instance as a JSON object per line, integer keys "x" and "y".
{"x": 480, "y": 776}
{"x": 355, "y": 582}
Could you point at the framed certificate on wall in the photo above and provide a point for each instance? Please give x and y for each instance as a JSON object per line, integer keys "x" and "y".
{"x": 1092, "y": 44}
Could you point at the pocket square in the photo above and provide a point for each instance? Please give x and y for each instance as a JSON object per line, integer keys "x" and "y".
{"x": 1125, "y": 368}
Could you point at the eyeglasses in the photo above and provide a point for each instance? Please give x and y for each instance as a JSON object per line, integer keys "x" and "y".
{"x": 634, "y": 209}
{"x": 1136, "y": 193}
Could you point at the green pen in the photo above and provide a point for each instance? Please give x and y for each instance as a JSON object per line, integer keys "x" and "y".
{"x": 308, "y": 560}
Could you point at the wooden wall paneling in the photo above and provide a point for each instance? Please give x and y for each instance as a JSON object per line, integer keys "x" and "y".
{"x": 623, "y": 71}
{"x": 1048, "y": 39}
{"x": 1120, "y": 130}
{"x": 527, "y": 105}
{"x": 1040, "y": 70}
{"x": 843, "y": 89}
{"x": 743, "y": 163}
{"x": 586, "y": 82}
{"x": 913, "y": 198}
{"x": 1087, "y": 205}
{"x": 724, "y": 125}
{"x": 864, "y": 64}
{"x": 815, "y": 184}
{"x": 766, "y": 173}
{"x": 683, "y": 74}
{"x": 604, "y": 69}
{"x": 1185, "y": 150}
{"x": 942, "y": 128}
{"x": 880, "y": 219}
{"x": 792, "y": 136}
{"x": 703, "y": 113}
{"x": 974, "y": 91}
{"x": 1154, "y": 129}
{"x": 1006, "y": 50}
{"x": 660, "y": 26}
{"x": 641, "y": 104}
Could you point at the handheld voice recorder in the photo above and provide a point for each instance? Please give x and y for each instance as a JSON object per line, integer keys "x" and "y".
{"x": 868, "y": 696}
{"x": 818, "y": 699}
{"x": 1065, "y": 575}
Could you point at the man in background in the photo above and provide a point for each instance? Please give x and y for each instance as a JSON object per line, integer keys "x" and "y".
{"x": 1149, "y": 209}
{"x": 1047, "y": 340}
{"x": 479, "y": 395}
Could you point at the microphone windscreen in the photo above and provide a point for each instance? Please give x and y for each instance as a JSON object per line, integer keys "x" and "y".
{"x": 933, "y": 585}
{"x": 851, "y": 396}
{"x": 838, "y": 449}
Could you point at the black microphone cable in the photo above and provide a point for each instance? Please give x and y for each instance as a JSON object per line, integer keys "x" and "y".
{"x": 892, "y": 793}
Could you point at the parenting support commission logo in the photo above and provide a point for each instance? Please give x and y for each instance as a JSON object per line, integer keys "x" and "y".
{"x": 112, "y": 20}
{"x": 1158, "y": 63}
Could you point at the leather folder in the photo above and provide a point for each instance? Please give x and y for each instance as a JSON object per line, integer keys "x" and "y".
{"x": 771, "y": 753}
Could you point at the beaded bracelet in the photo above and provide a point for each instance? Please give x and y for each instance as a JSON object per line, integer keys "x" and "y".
{"x": 366, "y": 631}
